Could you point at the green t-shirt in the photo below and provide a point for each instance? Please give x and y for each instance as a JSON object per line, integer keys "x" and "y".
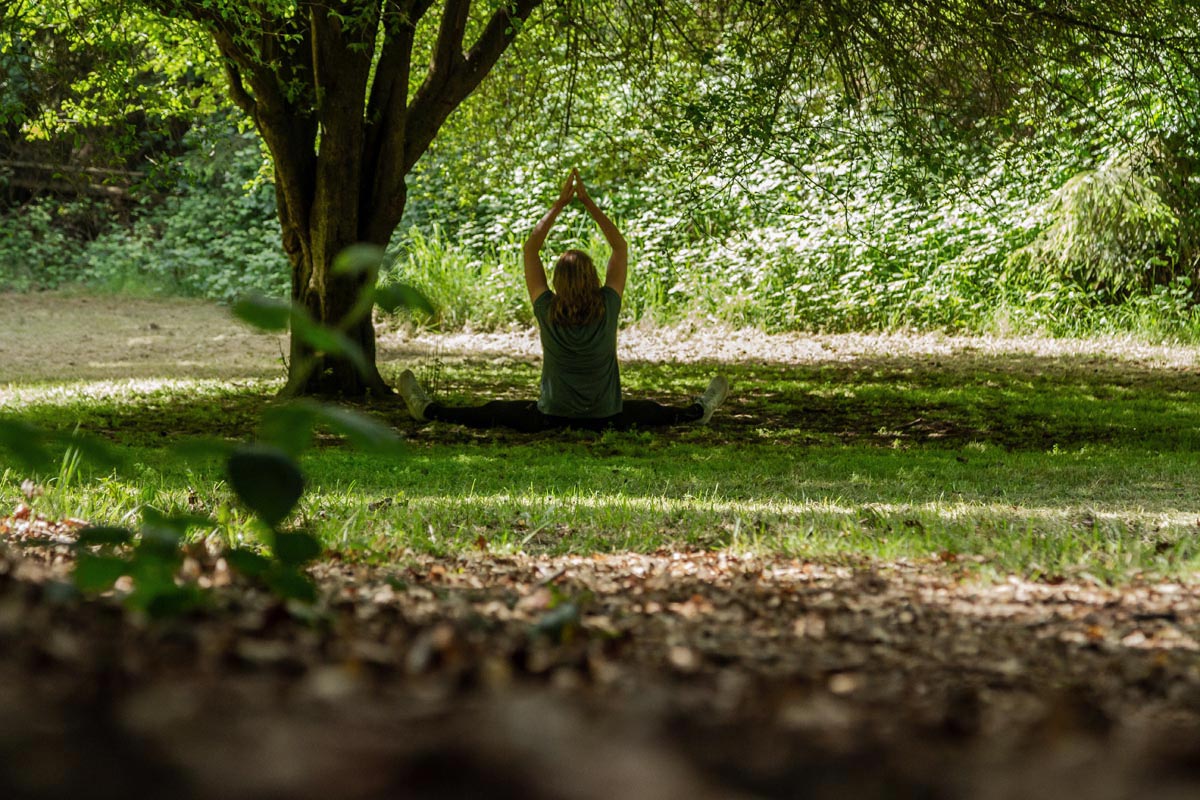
{"x": 580, "y": 377}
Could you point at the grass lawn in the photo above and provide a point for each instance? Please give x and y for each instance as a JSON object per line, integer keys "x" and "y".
{"x": 1043, "y": 459}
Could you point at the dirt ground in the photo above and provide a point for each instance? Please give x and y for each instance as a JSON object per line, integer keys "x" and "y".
{"x": 55, "y": 337}
{"x": 670, "y": 675}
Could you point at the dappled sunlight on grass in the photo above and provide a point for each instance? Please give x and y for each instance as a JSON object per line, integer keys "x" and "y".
{"x": 1037, "y": 456}
{"x": 775, "y": 523}
{"x": 131, "y": 390}
{"x": 1039, "y": 542}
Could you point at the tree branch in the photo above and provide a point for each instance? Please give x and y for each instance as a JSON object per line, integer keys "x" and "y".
{"x": 439, "y": 95}
{"x": 448, "y": 51}
{"x": 383, "y": 195}
{"x": 237, "y": 90}
{"x": 391, "y": 73}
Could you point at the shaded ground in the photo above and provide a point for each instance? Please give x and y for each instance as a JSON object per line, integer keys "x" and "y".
{"x": 669, "y": 675}
{"x": 673, "y": 675}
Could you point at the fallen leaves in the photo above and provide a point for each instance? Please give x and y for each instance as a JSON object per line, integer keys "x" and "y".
{"x": 868, "y": 669}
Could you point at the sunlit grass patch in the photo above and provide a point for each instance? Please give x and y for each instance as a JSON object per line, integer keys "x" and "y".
{"x": 1033, "y": 464}
{"x": 1038, "y": 514}
{"x": 87, "y": 394}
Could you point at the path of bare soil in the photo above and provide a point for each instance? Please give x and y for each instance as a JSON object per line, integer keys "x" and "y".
{"x": 52, "y": 337}
{"x": 671, "y": 675}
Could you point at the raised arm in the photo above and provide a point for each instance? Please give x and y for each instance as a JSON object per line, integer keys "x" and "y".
{"x": 535, "y": 272}
{"x": 618, "y": 262}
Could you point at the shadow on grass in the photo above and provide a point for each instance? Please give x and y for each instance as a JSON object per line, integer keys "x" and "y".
{"x": 1055, "y": 461}
{"x": 1014, "y": 401}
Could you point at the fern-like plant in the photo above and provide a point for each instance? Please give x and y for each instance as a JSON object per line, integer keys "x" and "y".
{"x": 1108, "y": 229}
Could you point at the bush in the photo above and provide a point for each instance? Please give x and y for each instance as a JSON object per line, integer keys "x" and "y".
{"x": 36, "y": 249}
{"x": 214, "y": 235}
{"x": 1069, "y": 234}
{"x": 1106, "y": 228}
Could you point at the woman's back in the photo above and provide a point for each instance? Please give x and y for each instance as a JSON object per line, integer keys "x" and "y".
{"x": 581, "y": 382}
{"x": 580, "y": 375}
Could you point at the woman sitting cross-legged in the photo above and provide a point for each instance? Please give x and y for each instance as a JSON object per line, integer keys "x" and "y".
{"x": 581, "y": 382}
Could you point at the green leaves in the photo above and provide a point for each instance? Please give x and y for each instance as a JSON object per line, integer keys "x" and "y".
{"x": 359, "y": 259}
{"x": 267, "y": 480}
{"x": 290, "y": 427}
{"x": 282, "y": 574}
{"x": 362, "y": 431}
{"x": 96, "y": 574}
{"x": 271, "y": 315}
{"x": 26, "y": 443}
{"x": 247, "y": 562}
{"x": 290, "y": 583}
{"x": 1107, "y": 228}
{"x": 152, "y": 558}
{"x": 265, "y": 313}
{"x": 327, "y": 340}
{"x": 296, "y": 547}
{"x": 396, "y": 296}
{"x": 98, "y": 536}
{"x": 265, "y": 475}
{"x": 40, "y": 451}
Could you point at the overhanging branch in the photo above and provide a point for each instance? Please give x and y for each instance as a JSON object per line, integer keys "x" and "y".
{"x": 382, "y": 197}
{"x": 237, "y": 89}
{"x": 440, "y": 94}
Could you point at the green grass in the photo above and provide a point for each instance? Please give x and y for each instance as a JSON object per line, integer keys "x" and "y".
{"x": 1006, "y": 463}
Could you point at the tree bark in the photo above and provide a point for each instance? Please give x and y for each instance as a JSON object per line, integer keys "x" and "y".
{"x": 341, "y": 64}
{"x": 323, "y": 375}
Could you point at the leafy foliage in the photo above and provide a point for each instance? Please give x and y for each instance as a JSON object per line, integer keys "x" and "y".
{"x": 151, "y": 559}
{"x": 267, "y": 480}
{"x": 214, "y": 234}
{"x": 1108, "y": 228}
{"x": 753, "y": 190}
{"x": 840, "y": 220}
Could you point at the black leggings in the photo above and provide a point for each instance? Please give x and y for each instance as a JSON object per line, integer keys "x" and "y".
{"x": 523, "y": 415}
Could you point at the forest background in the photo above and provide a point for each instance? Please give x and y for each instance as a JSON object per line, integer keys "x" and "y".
{"x": 1075, "y": 216}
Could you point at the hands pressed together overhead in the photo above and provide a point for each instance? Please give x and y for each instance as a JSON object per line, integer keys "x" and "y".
{"x": 573, "y": 188}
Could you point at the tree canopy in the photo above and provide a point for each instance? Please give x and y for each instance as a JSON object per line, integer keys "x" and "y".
{"x": 349, "y": 96}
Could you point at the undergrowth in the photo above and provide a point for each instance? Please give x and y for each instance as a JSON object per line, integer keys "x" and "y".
{"x": 1057, "y": 242}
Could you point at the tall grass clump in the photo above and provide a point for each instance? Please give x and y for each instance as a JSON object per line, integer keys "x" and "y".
{"x": 480, "y": 287}
{"x": 483, "y": 288}
{"x": 1108, "y": 229}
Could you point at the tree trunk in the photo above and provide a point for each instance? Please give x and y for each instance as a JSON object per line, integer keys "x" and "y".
{"x": 329, "y": 298}
{"x": 326, "y": 210}
{"x": 323, "y": 375}
{"x": 343, "y": 143}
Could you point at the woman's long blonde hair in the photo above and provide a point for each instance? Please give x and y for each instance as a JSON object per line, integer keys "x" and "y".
{"x": 577, "y": 299}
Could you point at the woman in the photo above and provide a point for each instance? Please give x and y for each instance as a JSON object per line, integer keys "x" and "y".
{"x": 581, "y": 382}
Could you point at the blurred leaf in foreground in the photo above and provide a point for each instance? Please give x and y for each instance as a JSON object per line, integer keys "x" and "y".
{"x": 267, "y": 480}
